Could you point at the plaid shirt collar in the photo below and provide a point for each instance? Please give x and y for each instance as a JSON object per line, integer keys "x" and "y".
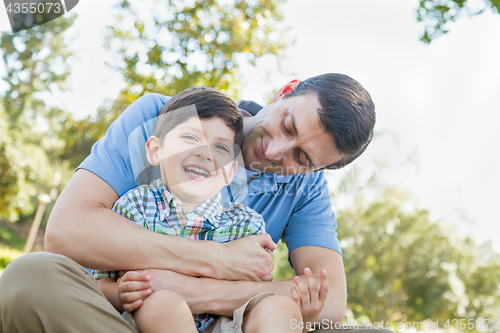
{"x": 211, "y": 209}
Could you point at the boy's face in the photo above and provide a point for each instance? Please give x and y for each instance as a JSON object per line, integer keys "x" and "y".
{"x": 196, "y": 158}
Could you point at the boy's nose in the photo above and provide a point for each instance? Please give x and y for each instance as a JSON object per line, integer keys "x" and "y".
{"x": 204, "y": 152}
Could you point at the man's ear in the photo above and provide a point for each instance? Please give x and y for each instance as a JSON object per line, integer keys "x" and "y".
{"x": 285, "y": 90}
{"x": 153, "y": 150}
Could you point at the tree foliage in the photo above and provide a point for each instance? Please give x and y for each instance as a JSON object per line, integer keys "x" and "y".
{"x": 436, "y": 15}
{"x": 169, "y": 46}
{"x": 175, "y": 45}
{"x": 37, "y": 64}
{"x": 403, "y": 266}
{"x": 15, "y": 172}
{"x": 79, "y": 135}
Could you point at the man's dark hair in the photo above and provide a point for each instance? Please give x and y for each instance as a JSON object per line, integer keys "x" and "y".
{"x": 209, "y": 103}
{"x": 347, "y": 113}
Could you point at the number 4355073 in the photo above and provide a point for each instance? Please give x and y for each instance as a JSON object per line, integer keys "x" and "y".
{"x": 34, "y": 8}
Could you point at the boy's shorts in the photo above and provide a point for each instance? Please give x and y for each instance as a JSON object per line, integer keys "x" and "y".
{"x": 223, "y": 324}
{"x": 233, "y": 325}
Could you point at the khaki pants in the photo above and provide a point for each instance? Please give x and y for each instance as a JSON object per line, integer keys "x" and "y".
{"x": 45, "y": 292}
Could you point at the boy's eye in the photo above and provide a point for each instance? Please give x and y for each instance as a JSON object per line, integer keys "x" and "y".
{"x": 222, "y": 147}
{"x": 190, "y": 137}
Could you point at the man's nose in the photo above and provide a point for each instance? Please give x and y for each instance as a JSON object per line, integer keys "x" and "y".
{"x": 278, "y": 148}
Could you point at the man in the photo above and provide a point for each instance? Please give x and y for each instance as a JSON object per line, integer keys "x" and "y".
{"x": 324, "y": 122}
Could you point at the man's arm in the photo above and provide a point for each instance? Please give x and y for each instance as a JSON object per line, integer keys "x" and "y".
{"x": 83, "y": 227}
{"x": 205, "y": 295}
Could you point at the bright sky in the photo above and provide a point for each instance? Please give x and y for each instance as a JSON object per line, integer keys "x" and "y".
{"x": 440, "y": 101}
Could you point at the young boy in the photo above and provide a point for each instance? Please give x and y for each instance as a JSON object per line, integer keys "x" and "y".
{"x": 195, "y": 144}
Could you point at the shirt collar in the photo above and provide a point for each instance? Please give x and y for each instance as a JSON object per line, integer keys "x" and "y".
{"x": 210, "y": 209}
{"x": 245, "y": 113}
{"x": 169, "y": 201}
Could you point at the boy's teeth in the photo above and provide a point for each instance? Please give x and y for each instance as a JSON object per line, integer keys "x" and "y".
{"x": 198, "y": 170}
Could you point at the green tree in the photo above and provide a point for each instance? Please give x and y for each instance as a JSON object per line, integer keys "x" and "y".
{"x": 15, "y": 171}
{"x": 169, "y": 46}
{"x": 435, "y": 15}
{"x": 402, "y": 266}
{"x": 37, "y": 63}
{"x": 79, "y": 135}
{"x": 176, "y": 45}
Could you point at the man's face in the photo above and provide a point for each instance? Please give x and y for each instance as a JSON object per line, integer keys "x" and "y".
{"x": 286, "y": 138}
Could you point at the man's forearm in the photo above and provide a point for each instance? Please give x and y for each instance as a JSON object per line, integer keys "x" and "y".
{"x": 83, "y": 227}
{"x": 222, "y": 297}
{"x": 119, "y": 244}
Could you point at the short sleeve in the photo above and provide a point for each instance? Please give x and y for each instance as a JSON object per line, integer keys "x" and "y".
{"x": 110, "y": 157}
{"x": 139, "y": 206}
{"x": 312, "y": 222}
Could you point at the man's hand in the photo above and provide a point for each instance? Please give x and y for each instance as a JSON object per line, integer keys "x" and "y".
{"x": 133, "y": 288}
{"x": 310, "y": 298}
{"x": 248, "y": 258}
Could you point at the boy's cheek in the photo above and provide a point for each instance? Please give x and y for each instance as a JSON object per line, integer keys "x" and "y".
{"x": 174, "y": 155}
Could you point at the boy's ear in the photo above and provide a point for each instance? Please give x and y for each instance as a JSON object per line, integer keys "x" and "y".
{"x": 153, "y": 150}
{"x": 290, "y": 86}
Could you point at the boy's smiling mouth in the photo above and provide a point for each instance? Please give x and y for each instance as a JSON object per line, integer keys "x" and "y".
{"x": 196, "y": 172}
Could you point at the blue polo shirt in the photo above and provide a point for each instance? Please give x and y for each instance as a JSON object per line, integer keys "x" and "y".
{"x": 296, "y": 208}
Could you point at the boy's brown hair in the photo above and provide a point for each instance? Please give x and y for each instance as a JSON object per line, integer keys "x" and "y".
{"x": 209, "y": 103}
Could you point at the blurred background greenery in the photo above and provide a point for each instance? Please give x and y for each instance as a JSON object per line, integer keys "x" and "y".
{"x": 400, "y": 264}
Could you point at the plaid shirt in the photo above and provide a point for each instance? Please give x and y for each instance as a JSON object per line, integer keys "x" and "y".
{"x": 153, "y": 207}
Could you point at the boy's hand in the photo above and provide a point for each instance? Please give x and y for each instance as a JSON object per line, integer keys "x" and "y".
{"x": 310, "y": 298}
{"x": 133, "y": 288}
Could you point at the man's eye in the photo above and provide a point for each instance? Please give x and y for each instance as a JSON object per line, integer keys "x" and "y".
{"x": 285, "y": 128}
{"x": 301, "y": 158}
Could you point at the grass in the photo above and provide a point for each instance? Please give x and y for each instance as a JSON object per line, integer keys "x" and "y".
{"x": 10, "y": 238}
{"x": 11, "y": 244}
{"x": 7, "y": 255}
